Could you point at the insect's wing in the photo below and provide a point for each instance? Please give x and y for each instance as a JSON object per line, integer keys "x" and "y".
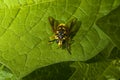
{"x": 73, "y": 27}
{"x": 54, "y": 23}
{"x": 71, "y": 24}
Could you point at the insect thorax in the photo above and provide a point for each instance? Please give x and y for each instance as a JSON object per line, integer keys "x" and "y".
{"x": 61, "y": 34}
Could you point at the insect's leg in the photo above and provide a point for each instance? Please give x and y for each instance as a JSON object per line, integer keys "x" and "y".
{"x": 54, "y": 23}
{"x": 68, "y": 47}
{"x": 52, "y": 39}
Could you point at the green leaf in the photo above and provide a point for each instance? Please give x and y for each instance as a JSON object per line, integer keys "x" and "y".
{"x": 98, "y": 68}
{"x": 101, "y": 67}
{"x": 110, "y": 24}
{"x": 5, "y": 73}
{"x": 59, "y": 71}
{"x": 25, "y": 32}
{"x": 96, "y": 71}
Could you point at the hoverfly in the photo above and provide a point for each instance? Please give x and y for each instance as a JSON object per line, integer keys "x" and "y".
{"x": 63, "y": 33}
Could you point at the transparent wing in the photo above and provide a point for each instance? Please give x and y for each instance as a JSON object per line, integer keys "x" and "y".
{"x": 54, "y": 23}
{"x": 73, "y": 26}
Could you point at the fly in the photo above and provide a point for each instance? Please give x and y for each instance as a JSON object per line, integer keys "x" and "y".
{"x": 63, "y": 33}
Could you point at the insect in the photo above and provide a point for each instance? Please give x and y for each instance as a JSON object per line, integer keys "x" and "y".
{"x": 63, "y": 33}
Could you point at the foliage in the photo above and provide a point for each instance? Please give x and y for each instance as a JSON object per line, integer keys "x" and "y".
{"x": 25, "y": 32}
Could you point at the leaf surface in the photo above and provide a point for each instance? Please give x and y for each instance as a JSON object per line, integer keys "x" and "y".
{"x": 25, "y": 32}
